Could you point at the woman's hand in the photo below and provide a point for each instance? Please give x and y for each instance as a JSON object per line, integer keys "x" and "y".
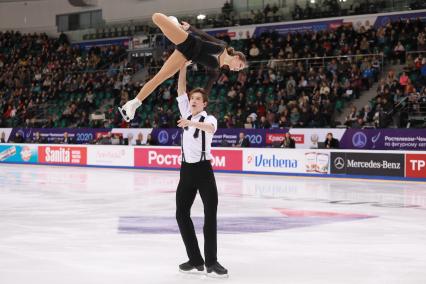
{"x": 185, "y": 26}
{"x": 184, "y": 123}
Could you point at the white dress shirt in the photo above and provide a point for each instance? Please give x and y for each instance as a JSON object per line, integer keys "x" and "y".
{"x": 192, "y": 146}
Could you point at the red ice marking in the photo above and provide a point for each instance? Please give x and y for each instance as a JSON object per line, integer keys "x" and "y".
{"x": 306, "y": 213}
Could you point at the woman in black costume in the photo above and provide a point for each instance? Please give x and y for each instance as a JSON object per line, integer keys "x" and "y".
{"x": 200, "y": 48}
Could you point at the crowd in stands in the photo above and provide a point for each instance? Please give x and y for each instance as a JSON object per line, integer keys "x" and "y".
{"x": 47, "y": 82}
{"x": 398, "y": 91}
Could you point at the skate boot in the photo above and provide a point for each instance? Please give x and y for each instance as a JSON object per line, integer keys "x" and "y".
{"x": 217, "y": 271}
{"x": 190, "y": 269}
{"x": 175, "y": 20}
{"x": 129, "y": 109}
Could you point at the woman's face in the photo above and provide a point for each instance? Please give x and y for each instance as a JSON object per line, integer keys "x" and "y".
{"x": 236, "y": 64}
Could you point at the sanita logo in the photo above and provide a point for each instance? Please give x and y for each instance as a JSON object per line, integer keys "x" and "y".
{"x": 60, "y": 155}
{"x": 274, "y": 162}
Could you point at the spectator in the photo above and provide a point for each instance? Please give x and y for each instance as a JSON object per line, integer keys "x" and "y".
{"x": 38, "y": 139}
{"x": 151, "y": 141}
{"x": 106, "y": 139}
{"x": 288, "y": 142}
{"x": 330, "y": 142}
{"x": 243, "y": 141}
{"x": 67, "y": 139}
{"x": 352, "y": 117}
{"x": 139, "y": 140}
{"x": 116, "y": 139}
{"x": 399, "y": 51}
{"x": 18, "y": 138}
{"x": 264, "y": 124}
{"x": 359, "y": 123}
{"x": 254, "y": 52}
{"x": 403, "y": 79}
{"x": 3, "y": 138}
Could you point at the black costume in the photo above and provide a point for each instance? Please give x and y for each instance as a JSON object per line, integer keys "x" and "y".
{"x": 204, "y": 49}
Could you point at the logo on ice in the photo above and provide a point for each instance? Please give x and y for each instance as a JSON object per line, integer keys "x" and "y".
{"x": 63, "y": 155}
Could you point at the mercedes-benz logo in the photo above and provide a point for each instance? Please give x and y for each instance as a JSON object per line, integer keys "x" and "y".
{"x": 163, "y": 137}
{"x": 339, "y": 163}
{"x": 359, "y": 140}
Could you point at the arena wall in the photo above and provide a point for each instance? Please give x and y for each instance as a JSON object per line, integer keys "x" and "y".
{"x": 366, "y": 164}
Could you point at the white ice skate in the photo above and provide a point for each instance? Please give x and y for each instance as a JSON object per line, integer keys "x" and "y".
{"x": 175, "y": 20}
{"x": 129, "y": 109}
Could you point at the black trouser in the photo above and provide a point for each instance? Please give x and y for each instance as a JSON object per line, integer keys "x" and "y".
{"x": 193, "y": 177}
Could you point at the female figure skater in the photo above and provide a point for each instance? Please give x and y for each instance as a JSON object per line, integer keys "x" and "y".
{"x": 212, "y": 54}
{"x": 196, "y": 173}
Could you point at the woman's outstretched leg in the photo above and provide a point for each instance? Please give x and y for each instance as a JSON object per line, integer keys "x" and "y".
{"x": 169, "y": 28}
{"x": 170, "y": 67}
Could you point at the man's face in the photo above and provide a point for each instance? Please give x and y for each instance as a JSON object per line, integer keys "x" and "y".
{"x": 241, "y": 135}
{"x": 196, "y": 102}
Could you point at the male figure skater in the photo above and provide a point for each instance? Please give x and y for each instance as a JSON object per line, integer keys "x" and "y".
{"x": 196, "y": 174}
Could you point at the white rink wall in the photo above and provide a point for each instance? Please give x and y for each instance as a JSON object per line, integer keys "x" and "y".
{"x": 401, "y": 165}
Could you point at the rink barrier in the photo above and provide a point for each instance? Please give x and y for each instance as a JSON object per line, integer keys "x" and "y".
{"x": 305, "y": 138}
{"x": 394, "y": 165}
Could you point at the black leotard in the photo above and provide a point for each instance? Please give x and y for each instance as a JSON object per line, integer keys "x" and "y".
{"x": 203, "y": 49}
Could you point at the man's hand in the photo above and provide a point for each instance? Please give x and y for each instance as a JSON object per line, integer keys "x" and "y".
{"x": 184, "y": 123}
{"x": 186, "y": 64}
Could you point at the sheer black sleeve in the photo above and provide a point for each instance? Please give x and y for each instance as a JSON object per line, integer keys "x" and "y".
{"x": 206, "y": 36}
{"x": 213, "y": 75}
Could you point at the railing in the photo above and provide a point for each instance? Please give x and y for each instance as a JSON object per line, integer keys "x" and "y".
{"x": 245, "y": 13}
{"x": 315, "y": 62}
{"x": 414, "y": 54}
{"x": 308, "y": 62}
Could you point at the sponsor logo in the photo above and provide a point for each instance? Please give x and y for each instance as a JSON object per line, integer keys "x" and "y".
{"x": 415, "y": 165}
{"x": 373, "y": 164}
{"x": 298, "y": 138}
{"x": 339, "y": 163}
{"x": 163, "y": 137}
{"x": 375, "y": 138}
{"x": 317, "y": 162}
{"x": 279, "y": 137}
{"x": 26, "y": 153}
{"x": 359, "y": 140}
{"x": 8, "y": 152}
{"x": 271, "y": 162}
{"x": 110, "y": 154}
{"x": 62, "y": 155}
{"x": 171, "y": 158}
{"x": 274, "y": 137}
{"x": 376, "y": 164}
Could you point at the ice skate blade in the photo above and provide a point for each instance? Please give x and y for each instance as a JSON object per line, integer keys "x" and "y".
{"x": 215, "y": 275}
{"x": 123, "y": 114}
{"x": 193, "y": 272}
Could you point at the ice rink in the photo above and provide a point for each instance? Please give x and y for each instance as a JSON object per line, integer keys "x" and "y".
{"x": 63, "y": 225}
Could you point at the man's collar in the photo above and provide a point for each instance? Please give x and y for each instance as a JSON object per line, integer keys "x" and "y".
{"x": 202, "y": 113}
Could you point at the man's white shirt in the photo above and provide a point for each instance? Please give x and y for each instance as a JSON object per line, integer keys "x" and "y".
{"x": 192, "y": 146}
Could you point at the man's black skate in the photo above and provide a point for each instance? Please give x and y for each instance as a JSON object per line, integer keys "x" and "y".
{"x": 191, "y": 269}
{"x": 217, "y": 271}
